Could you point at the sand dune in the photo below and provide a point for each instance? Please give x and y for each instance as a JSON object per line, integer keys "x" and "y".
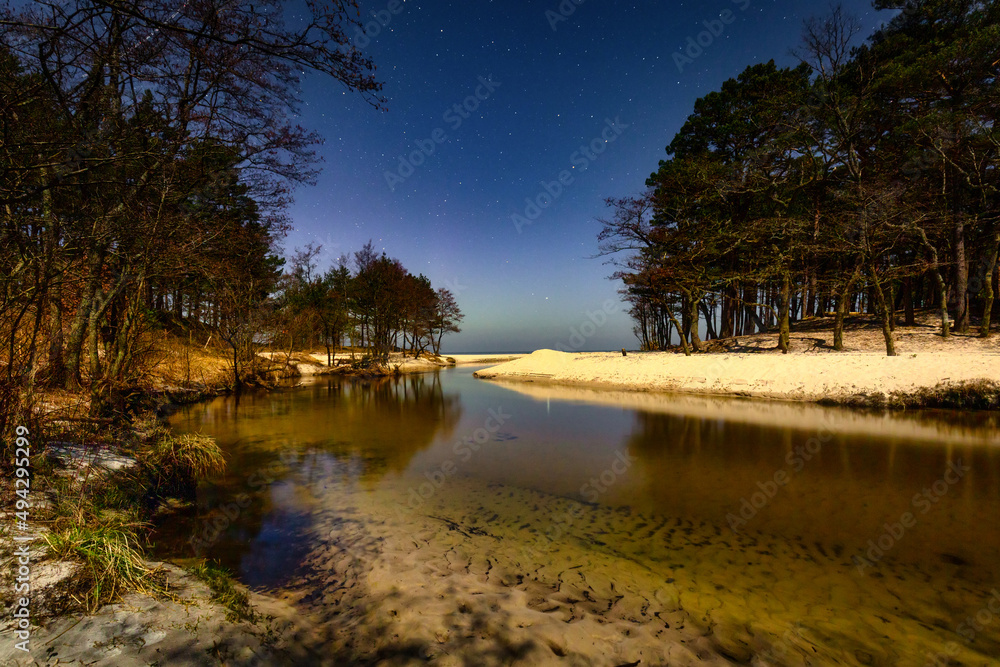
{"x": 803, "y": 377}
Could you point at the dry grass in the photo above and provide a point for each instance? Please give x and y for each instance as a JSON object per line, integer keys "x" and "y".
{"x": 187, "y": 363}
{"x": 971, "y": 395}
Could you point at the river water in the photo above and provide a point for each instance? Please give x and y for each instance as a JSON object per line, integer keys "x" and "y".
{"x": 440, "y": 517}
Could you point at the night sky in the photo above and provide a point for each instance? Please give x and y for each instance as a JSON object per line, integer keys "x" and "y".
{"x": 593, "y": 101}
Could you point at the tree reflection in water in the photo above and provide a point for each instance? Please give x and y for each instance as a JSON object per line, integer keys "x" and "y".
{"x": 284, "y": 448}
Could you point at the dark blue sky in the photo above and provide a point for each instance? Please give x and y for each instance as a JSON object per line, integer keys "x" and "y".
{"x": 542, "y": 113}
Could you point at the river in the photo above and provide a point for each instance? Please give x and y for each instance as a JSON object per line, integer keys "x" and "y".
{"x": 440, "y": 517}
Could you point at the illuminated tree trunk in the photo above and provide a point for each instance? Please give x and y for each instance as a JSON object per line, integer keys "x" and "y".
{"x": 784, "y": 306}
{"x": 883, "y": 311}
{"x": 991, "y": 266}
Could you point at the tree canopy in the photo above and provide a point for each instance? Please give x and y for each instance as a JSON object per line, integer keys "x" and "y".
{"x": 864, "y": 178}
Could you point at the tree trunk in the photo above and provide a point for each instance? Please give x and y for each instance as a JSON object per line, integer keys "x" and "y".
{"x": 693, "y": 319}
{"x": 843, "y": 298}
{"x": 93, "y": 338}
{"x": 935, "y": 269}
{"x": 78, "y": 330}
{"x": 56, "y": 363}
{"x": 709, "y": 324}
{"x": 680, "y": 331}
{"x": 326, "y": 339}
{"x": 911, "y": 319}
{"x": 883, "y": 308}
{"x": 961, "y": 278}
{"x": 237, "y": 381}
{"x": 784, "y": 305}
{"x": 891, "y": 306}
{"x": 196, "y": 306}
{"x": 991, "y": 265}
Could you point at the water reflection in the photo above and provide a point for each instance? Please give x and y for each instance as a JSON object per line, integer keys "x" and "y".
{"x": 747, "y": 514}
{"x": 837, "y": 490}
{"x": 381, "y": 422}
{"x": 821, "y": 475}
{"x": 283, "y": 448}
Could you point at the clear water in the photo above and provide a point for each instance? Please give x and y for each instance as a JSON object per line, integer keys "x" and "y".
{"x": 795, "y": 533}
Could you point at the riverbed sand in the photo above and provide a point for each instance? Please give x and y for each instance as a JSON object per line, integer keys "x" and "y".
{"x": 521, "y": 577}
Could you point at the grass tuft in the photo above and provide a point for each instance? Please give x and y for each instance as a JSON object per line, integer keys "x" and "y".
{"x": 226, "y": 592}
{"x": 113, "y": 560}
{"x": 175, "y": 463}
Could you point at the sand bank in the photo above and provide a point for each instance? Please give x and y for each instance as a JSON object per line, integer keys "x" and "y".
{"x": 802, "y": 377}
{"x": 479, "y": 359}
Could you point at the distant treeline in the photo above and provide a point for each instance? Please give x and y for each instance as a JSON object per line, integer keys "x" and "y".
{"x": 380, "y": 307}
{"x": 147, "y": 153}
{"x": 864, "y": 179}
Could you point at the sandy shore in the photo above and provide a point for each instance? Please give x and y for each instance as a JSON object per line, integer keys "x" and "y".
{"x": 184, "y": 628}
{"x": 314, "y": 363}
{"x": 477, "y": 359}
{"x": 804, "y": 377}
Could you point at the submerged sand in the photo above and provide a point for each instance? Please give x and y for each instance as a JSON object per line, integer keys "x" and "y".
{"x": 804, "y": 377}
{"x": 522, "y": 577}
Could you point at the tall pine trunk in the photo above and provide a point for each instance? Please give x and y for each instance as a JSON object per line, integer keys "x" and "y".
{"x": 883, "y": 311}
{"x": 991, "y": 265}
{"x": 692, "y": 316}
{"x": 680, "y": 331}
{"x": 961, "y": 279}
{"x": 910, "y": 315}
{"x": 784, "y": 305}
{"x": 935, "y": 270}
{"x": 843, "y": 298}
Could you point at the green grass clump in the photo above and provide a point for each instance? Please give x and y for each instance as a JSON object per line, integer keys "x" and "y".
{"x": 175, "y": 463}
{"x": 112, "y": 557}
{"x": 226, "y": 591}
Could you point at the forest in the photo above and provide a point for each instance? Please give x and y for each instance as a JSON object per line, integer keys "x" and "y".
{"x": 147, "y": 156}
{"x": 864, "y": 179}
